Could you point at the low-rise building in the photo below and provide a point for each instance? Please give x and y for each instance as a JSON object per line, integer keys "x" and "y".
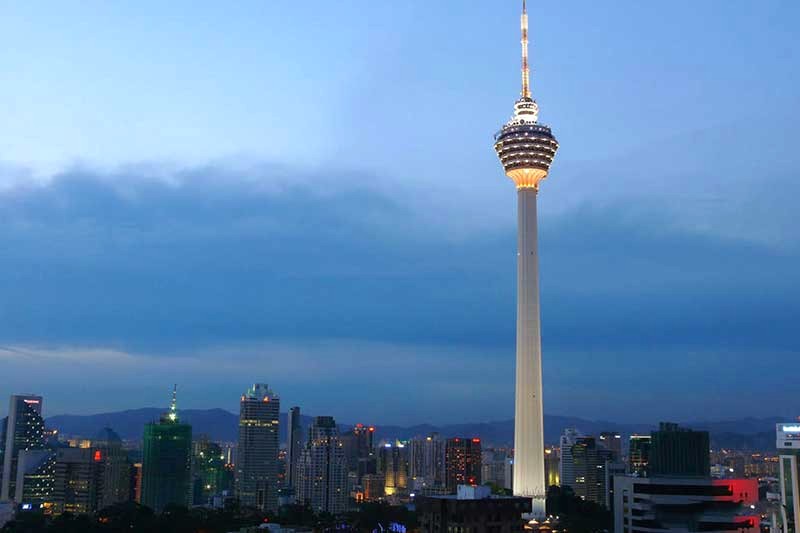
{"x": 654, "y": 505}
{"x": 473, "y": 509}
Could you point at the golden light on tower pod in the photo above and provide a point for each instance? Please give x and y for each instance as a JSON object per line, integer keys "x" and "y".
{"x": 526, "y": 150}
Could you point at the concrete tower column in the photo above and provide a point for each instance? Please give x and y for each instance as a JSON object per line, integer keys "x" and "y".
{"x": 529, "y": 431}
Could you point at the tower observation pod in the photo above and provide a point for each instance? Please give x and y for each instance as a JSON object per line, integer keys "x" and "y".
{"x": 526, "y": 150}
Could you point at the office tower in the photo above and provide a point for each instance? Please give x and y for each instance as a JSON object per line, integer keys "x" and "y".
{"x": 393, "y": 465}
{"x": 257, "y": 454}
{"x": 294, "y": 444}
{"x": 685, "y": 504}
{"x": 526, "y": 149}
{"x": 167, "y": 461}
{"x": 116, "y": 468}
{"x": 565, "y": 465}
{"x": 472, "y": 509}
{"x": 24, "y": 431}
{"x": 426, "y": 460}
{"x": 208, "y": 470}
{"x": 788, "y": 444}
{"x": 583, "y": 465}
{"x": 638, "y": 455}
{"x": 676, "y": 451}
{"x": 78, "y": 480}
{"x": 611, "y": 441}
{"x": 322, "y": 475}
{"x": 462, "y": 463}
{"x": 33, "y": 487}
{"x": 358, "y": 445}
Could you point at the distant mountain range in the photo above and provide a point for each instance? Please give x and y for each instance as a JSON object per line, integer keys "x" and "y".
{"x": 221, "y": 425}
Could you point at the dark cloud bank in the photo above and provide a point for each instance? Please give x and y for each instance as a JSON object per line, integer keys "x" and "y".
{"x": 212, "y": 256}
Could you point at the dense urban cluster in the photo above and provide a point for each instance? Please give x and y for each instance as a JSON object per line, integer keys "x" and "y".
{"x": 325, "y": 477}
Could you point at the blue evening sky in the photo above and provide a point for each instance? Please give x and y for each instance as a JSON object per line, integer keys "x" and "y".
{"x": 305, "y": 193}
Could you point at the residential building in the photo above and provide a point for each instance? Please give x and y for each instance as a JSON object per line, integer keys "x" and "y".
{"x": 462, "y": 462}
{"x": 322, "y": 472}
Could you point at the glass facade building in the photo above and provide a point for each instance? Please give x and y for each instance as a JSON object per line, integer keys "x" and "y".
{"x": 166, "y": 464}
{"x": 24, "y": 431}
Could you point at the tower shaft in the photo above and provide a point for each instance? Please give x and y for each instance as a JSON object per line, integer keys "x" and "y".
{"x": 529, "y": 479}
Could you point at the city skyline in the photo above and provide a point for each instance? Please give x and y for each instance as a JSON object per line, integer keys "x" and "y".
{"x": 333, "y": 257}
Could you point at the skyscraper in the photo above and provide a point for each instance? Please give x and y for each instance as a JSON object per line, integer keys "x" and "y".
{"x": 426, "y": 461}
{"x": 294, "y": 445}
{"x": 462, "y": 462}
{"x": 24, "y": 431}
{"x": 167, "y": 461}
{"x": 583, "y": 465}
{"x": 526, "y": 149}
{"x": 393, "y": 465}
{"x": 115, "y": 483}
{"x": 322, "y": 475}
{"x": 78, "y": 480}
{"x": 257, "y": 455}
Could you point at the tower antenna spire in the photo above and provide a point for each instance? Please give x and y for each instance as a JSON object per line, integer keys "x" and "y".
{"x": 173, "y": 406}
{"x": 526, "y": 71}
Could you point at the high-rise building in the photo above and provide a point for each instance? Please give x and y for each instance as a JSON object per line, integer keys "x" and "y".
{"x": 497, "y": 468}
{"x": 583, "y": 468}
{"x": 426, "y": 460}
{"x": 167, "y": 461}
{"x": 24, "y": 431}
{"x": 257, "y": 454}
{"x": 78, "y": 480}
{"x": 116, "y": 468}
{"x": 462, "y": 462}
{"x": 788, "y": 444}
{"x": 322, "y": 474}
{"x": 638, "y": 455}
{"x": 566, "y": 441}
{"x": 526, "y": 149}
{"x": 35, "y": 478}
{"x": 676, "y": 451}
{"x": 294, "y": 445}
{"x": 358, "y": 445}
{"x": 393, "y": 465}
{"x": 209, "y": 475}
{"x": 552, "y": 466}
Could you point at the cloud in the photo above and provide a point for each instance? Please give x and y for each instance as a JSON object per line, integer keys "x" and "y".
{"x": 338, "y": 281}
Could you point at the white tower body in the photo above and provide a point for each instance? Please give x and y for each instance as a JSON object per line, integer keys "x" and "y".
{"x": 529, "y": 478}
{"x": 526, "y": 149}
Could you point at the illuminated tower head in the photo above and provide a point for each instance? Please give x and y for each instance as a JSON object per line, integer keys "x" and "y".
{"x": 525, "y": 148}
{"x": 172, "y": 414}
